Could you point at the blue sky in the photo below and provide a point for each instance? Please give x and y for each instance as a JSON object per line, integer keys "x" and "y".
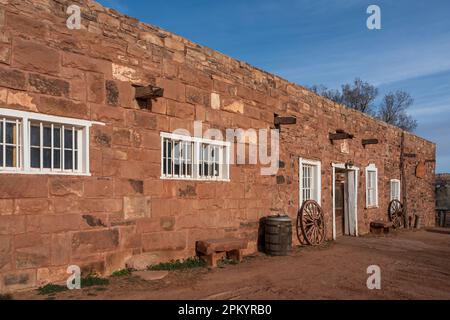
{"x": 327, "y": 42}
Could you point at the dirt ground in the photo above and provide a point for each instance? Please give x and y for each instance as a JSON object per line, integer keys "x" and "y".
{"x": 414, "y": 265}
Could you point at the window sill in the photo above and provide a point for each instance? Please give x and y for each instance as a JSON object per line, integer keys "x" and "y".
{"x": 38, "y": 173}
{"x": 372, "y": 207}
{"x": 195, "y": 180}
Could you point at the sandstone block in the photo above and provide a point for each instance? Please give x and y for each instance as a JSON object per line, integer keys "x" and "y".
{"x": 164, "y": 241}
{"x": 126, "y": 74}
{"x": 13, "y": 79}
{"x": 107, "y": 115}
{"x": 6, "y": 207}
{"x": 66, "y": 187}
{"x": 215, "y": 101}
{"x": 19, "y": 280}
{"x": 33, "y": 257}
{"x": 87, "y": 242}
{"x": 180, "y": 110}
{"x": 3, "y": 95}
{"x": 130, "y": 238}
{"x": 98, "y": 187}
{"x": 53, "y": 223}
{"x": 112, "y": 93}
{"x": 234, "y": 106}
{"x": 63, "y": 107}
{"x": 51, "y": 275}
{"x": 197, "y": 96}
{"x": 128, "y": 187}
{"x": 172, "y": 89}
{"x": 5, "y": 252}
{"x": 85, "y": 63}
{"x": 173, "y": 44}
{"x": 136, "y": 207}
{"x": 46, "y": 85}
{"x": 23, "y": 187}
{"x": 32, "y": 206}
{"x": 96, "y": 88}
{"x": 60, "y": 249}
{"x": 44, "y": 59}
{"x": 5, "y": 53}
{"x": 152, "y": 38}
{"x": 26, "y": 25}
{"x": 23, "y": 100}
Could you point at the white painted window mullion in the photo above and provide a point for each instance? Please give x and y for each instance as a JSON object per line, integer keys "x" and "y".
{"x": 63, "y": 148}
{"x": 41, "y": 145}
{"x": 73, "y": 149}
{"x": 4, "y": 143}
{"x": 52, "y": 147}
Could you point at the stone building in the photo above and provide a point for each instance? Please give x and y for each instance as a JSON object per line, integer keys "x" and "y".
{"x": 443, "y": 199}
{"x": 91, "y": 175}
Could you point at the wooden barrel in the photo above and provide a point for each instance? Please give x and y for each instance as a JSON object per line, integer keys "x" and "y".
{"x": 278, "y": 235}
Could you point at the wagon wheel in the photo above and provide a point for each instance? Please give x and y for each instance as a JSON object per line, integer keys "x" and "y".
{"x": 396, "y": 213}
{"x": 311, "y": 224}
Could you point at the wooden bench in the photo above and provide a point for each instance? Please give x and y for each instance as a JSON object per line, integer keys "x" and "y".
{"x": 212, "y": 251}
{"x": 379, "y": 227}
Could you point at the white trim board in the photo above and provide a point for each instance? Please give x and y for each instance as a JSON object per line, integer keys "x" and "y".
{"x": 356, "y": 169}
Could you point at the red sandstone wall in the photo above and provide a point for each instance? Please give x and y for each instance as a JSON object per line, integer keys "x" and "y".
{"x": 124, "y": 209}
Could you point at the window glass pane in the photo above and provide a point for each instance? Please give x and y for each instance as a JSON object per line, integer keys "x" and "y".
{"x": 76, "y": 139}
{"x": 35, "y": 136}
{"x": 169, "y": 157}
{"x": 47, "y": 159}
{"x": 10, "y": 156}
{"x": 76, "y": 160}
{"x": 35, "y": 156}
{"x": 68, "y": 139}
{"x": 56, "y": 159}
{"x": 1, "y": 131}
{"x": 68, "y": 164}
{"x": 176, "y": 158}
{"x": 1, "y": 155}
{"x": 57, "y": 137}
{"x": 10, "y": 133}
{"x": 47, "y": 137}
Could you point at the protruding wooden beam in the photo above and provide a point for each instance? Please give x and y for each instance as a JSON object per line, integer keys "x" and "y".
{"x": 409, "y": 155}
{"x": 285, "y": 120}
{"x": 148, "y": 92}
{"x": 366, "y": 142}
{"x": 341, "y": 136}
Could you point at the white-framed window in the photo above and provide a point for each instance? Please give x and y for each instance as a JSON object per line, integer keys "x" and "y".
{"x": 34, "y": 143}
{"x": 371, "y": 186}
{"x": 395, "y": 189}
{"x": 310, "y": 180}
{"x": 193, "y": 158}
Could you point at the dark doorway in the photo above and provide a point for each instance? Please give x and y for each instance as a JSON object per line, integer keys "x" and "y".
{"x": 340, "y": 180}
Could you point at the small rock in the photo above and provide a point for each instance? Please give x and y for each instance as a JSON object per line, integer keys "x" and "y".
{"x": 151, "y": 275}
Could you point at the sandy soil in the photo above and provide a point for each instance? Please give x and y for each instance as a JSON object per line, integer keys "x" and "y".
{"x": 414, "y": 265}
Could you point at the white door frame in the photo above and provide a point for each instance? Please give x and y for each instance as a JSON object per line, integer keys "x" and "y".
{"x": 356, "y": 169}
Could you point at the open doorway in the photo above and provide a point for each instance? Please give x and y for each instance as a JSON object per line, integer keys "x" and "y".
{"x": 345, "y": 216}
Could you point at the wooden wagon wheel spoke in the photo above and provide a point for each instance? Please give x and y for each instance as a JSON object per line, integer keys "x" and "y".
{"x": 396, "y": 213}
{"x": 310, "y": 223}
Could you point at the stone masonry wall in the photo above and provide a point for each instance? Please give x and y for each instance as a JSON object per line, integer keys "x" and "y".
{"x": 124, "y": 209}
